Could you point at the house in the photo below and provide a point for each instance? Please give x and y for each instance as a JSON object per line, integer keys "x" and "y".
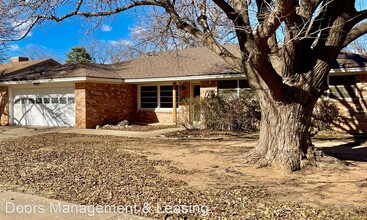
{"x": 150, "y": 89}
{"x": 16, "y": 66}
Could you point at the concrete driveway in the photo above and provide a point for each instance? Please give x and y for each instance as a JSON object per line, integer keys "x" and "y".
{"x": 18, "y": 131}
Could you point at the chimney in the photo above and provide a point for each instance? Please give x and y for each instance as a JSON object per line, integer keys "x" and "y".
{"x": 18, "y": 59}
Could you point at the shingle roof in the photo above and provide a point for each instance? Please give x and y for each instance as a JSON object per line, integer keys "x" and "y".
{"x": 186, "y": 62}
{"x": 9, "y": 68}
{"x": 350, "y": 60}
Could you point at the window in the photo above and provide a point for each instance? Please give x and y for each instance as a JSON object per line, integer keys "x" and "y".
{"x": 31, "y": 101}
{"x": 156, "y": 96}
{"x": 71, "y": 100}
{"x": 232, "y": 89}
{"x": 54, "y": 100}
{"x": 38, "y": 100}
{"x": 24, "y": 100}
{"x": 46, "y": 100}
{"x": 165, "y": 97}
{"x": 341, "y": 87}
{"x": 148, "y": 96}
{"x": 63, "y": 100}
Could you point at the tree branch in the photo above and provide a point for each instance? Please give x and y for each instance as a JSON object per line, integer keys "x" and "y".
{"x": 76, "y": 12}
{"x": 355, "y": 33}
{"x": 207, "y": 38}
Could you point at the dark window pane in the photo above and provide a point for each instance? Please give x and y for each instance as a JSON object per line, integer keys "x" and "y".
{"x": 148, "y": 97}
{"x": 63, "y": 100}
{"x": 166, "y": 105}
{"x": 148, "y": 105}
{"x": 148, "y": 88}
{"x": 149, "y": 94}
{"x": 342, "y": 80}
{"x": 166, "y": 88}
{"x": 166, "y": 96}
{"x": 38, "y": 100}
{"x": 24, "y": 100}
{"x": 244, "y": 84}
{"x": 167, "y": 93}
{"x": 227, "y": 84}
{"x": 196, "y": 91}
{"x": 46, "y": 100}
{"x": 54, "y": 100}
{"x": 166, "y": 99}
{"x": 31, "y": 101}
{"x": 71, "y": 100}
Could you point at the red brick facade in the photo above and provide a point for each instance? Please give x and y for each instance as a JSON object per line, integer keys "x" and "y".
{"x": 99, "y": 104}
{"x": 4, "y": 106}
{"x": 152, "y": 116}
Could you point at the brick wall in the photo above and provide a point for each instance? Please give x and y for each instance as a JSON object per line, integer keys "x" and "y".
{"x": 353, "y": 112}
{"x": 208, "y": 86}
{"x": 151, "y": 116}
{"x": 4, "y": 106}
{"x": 99, "y": 104}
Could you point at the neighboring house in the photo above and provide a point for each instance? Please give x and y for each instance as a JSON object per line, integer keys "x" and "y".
{"x": 149, "y": 89}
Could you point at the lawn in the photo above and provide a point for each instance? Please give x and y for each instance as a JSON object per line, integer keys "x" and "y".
{"x": 204, "y": 176}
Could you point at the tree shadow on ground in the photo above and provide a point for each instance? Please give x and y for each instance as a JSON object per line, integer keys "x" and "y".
{"x": 355, "y": 150}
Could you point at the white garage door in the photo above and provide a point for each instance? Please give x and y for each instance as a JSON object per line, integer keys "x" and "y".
{"x": 44, "y": 106}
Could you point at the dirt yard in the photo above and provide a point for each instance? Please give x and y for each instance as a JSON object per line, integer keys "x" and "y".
{"x": 189, "y": 170}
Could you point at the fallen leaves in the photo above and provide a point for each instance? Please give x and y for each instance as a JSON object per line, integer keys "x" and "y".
{"x": 95, "y": 170}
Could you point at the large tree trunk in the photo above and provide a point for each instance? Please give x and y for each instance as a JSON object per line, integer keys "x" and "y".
{"x": 284, "y": 141}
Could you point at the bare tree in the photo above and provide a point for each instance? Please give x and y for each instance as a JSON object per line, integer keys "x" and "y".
{"x": 155, "y": 33}
{"x": 358, "y": 46}
{"x": 36, "y": 52}
{"x": 106, "y": 52}
{"x": 287, "y": 71}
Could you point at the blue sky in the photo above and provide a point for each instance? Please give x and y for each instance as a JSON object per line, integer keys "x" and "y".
{"x": 60, "y": 38}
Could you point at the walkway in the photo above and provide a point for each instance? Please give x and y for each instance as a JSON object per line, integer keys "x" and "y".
{"x": 16, "y": 131}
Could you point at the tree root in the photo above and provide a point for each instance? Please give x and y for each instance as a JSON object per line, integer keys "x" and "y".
{"x": 315, "y": 158}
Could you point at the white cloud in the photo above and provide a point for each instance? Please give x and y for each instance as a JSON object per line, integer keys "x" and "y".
{"x": 14, "y": 47}
{"x": 121, "y": 42}
{"x": 136, "y": 31}
{"x": 22, "y": 27}
{"x": 106, "y": 28}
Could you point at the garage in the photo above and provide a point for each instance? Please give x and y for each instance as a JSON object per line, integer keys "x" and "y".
{"x": 50, "y": 106}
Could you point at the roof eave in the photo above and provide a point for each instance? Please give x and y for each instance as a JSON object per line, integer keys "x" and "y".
{"x": 63, "y": 80}
{"x": 185, "y": 78}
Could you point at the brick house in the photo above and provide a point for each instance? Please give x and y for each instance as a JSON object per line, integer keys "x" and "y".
{"x": 151, "y": 89}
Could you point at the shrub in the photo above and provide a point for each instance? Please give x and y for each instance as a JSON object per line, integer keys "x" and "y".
{"x": 220, "y": 114}
{"x": 233, "y": 115}
{"x": 244, "y": 115}
{"x": 324, "y": 115}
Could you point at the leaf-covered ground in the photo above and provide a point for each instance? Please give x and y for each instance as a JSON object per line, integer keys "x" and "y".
{"x": 114, "y": 170}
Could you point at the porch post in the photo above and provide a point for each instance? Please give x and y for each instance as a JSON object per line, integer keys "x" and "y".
{"x": 174, "y": 101}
